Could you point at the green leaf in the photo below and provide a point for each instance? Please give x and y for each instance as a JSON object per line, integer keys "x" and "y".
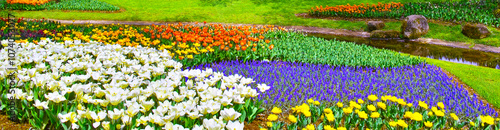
{"x": 243, "y": 116}
{"x": 320, "y": 126}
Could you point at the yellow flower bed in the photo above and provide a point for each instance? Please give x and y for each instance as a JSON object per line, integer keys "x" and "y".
{"x": 387, "y": 113}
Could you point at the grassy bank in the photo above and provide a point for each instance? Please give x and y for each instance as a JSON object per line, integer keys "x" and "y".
{"x": 485, "y": 81}
{"x": 275, "y": 12}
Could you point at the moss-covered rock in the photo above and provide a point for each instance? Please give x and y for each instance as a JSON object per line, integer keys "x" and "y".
{"x": 375, "y": 25}
{"x": 385, "y": 34}
{"x": 414, "y": 26}
{"x": 475, "y": 31}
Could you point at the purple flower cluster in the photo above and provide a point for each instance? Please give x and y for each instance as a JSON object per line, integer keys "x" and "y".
{"x": 24, "y": 34}
{"x": 294, "y": 83}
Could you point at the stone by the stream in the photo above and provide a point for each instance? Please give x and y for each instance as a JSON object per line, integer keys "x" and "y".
{"x": 375, "y": 25}
{"x": 414, "y": 26}
{"x": 385, "y": 34}
{"x": 475, "y": 31}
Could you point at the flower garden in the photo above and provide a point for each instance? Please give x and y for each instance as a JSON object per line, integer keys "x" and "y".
{"x": 214, "y": 76}
{"x": 478, "y": 12}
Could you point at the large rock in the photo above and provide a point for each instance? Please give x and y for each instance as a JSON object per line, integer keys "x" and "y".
{"x": 414, "y": 26}
{"x": 375, "y": 25}
{"x": 475, "y": 31}
{"x": 384, "y": 34}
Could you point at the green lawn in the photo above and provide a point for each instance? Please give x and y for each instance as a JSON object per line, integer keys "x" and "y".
{"x": 277, "y": 12}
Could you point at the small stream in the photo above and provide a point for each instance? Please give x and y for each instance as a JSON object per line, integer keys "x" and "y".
{"x": 457, "y": 55}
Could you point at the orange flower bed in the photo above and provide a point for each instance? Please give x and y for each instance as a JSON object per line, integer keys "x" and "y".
{"x": 188, "y": 39}
{"x": 30, "y": 2}
{"x": 362, "y": 8}
{"x": 184, "y": 41}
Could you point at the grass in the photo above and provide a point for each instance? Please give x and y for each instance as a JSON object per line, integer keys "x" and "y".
{"x": 485, "y": 81}
{"x": 452, "y": 33}
{"x": 277, "y": 12}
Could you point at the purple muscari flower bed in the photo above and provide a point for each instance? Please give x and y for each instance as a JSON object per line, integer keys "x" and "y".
{"x": 294, "y": 83}
{"x": 24, "y": 34}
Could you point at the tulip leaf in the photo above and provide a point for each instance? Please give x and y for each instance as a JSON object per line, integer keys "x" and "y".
{"x": 243, "y": 116}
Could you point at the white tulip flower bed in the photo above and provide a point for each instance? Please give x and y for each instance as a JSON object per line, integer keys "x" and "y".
{"x": 94, "y": 86}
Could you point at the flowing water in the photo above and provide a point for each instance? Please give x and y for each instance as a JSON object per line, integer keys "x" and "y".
{"x": 457, "y": 55}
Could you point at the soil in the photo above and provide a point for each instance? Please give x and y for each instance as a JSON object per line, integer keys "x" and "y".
{"x": 6, "y": 124}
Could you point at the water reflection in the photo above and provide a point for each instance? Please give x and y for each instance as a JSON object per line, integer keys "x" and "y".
{"x": 457, "y": 55}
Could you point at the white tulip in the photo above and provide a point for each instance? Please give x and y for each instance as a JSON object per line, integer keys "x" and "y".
{"x": 133, "y": 110}
{"x": 225, "y": 100}
{"x": 191, "y": 94}
{"x": 194, "y": 115}
{"x": 246, "y": 81}
{"x": 238, "y": 99}
{"x": 115, "y": 114}
{"x": 157, "y": 119}
{"x": 103, "y": 103}
{"x": 143, "y": 120}
{"x": 213, "y": 124}
{"x": 84, "y": 114}
{"x": 160, "y": 110}
{"x": 162, "y": 95}
{"x": 149, "y": 128}
{"x": 32, "y": 72}
{"x": 168, "y": 126}
{"x": 126, "y": 119}
{"x": 41, "y": 105}
{"x": 135, "y": 83}
{"x": 252, "y": 92}
{"x": 263, "y": 87}
{"x": 236, "y": 125}
{"x": 169, "y": 117}
{"x": 71, "y": 116}
{"x": 55, "y": 97}
{"x": 105, "y": 125}
{"x": 97, "y": 117}
{"x": 179, "y": 127}
{"x": 178, "y": 97}
{"x": 148, "y": 104}
{"x": 229, "y": 114}
{"x": 197, "y": 127}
